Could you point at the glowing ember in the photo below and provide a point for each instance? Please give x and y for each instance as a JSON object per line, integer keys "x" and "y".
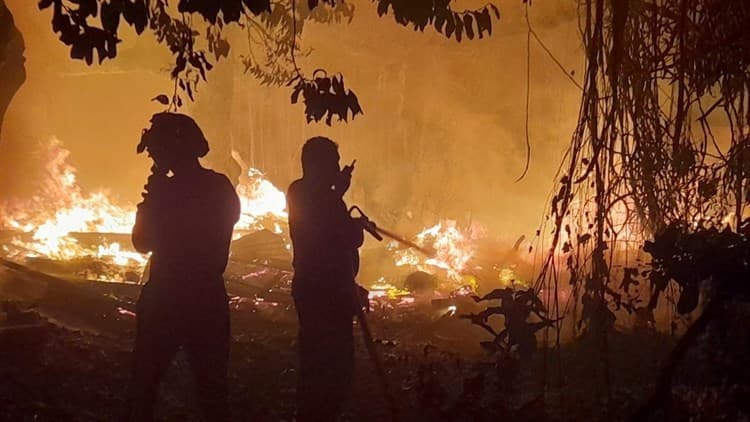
{"x": 508, "y": 278}
{"x": 383, "y": 289}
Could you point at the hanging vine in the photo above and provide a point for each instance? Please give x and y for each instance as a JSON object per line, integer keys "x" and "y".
{"x": 643, "y": 156}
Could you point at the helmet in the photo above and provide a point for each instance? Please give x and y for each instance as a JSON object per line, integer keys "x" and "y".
{"x": 174, "y": 133}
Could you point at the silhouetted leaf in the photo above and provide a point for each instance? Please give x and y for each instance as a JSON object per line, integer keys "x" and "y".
{"x": 459, "y": 30}
{"x": 382, "y": 8}
{"x": 293, "y": 80}
{"x": 469, "y": 26}
{"x": 197, "y": 63}
{"x": 43, "y": 4}
{"x": 209, "y": 10}
{"x": 495, "y": 10}
{"x": 78, "y": 51}
{"x": 338, "y": 86}
{"x": 161, "y": 98}
{"x": 61, "y": 22}
{"x": 221, "y": 48}
{"x": 325, "y": 98}
{"x": 179, "y": 66}
{"x": 439, "y": 21}
{"x": 450, "y": 25}
{"x": 484, "y": 22}
{"x": 231, "y": 10}
{"x": 354, "y": 104}
{"x": 110, "y": 15}
{"x": 89, "y": 55}
{"x": 258, "y": 6}
{"x": 87, "y": 8}
{"x": 135, "y": 13}
{"x": 420, "y": 13}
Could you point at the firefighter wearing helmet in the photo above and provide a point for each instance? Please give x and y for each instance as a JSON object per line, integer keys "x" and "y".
{"x": 185, "y": 221}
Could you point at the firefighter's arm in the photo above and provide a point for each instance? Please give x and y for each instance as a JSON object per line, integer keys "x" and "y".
{"x": 348, "y": 231}
{"x": 147, "y": 218}
{"x": 143, "y": 233}
{"x": 357, "y": 235}
{"x": 231, "y": 203}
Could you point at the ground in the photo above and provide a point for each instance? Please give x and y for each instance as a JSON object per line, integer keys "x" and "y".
{"x": 73, "y": 365}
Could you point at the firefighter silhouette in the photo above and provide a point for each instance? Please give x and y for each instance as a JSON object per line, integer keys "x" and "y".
{"x": 325, "y": 240}
{"x": 185, "y": 221}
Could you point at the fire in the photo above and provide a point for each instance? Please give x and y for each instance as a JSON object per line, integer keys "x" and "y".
{"x": 53, "y": 224}
{"x": 47, "y": 224}
{"x": 60, "y": 209}
{"x": 263, "y": 205}
{"x": 383, "y": 289}
{"x": 464, "y": 260}
{"x": 452, "y": 248}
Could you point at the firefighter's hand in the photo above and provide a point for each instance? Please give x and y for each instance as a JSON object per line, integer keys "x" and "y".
{"x": 345, "y": 178}
{"x": 157, "y": 182}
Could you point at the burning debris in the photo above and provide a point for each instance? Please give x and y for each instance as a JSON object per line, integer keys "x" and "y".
{"x": 64, "y": 230}
{"x": 63, "y": 224}
{"x": 452, "y": 250}
{"x": 48, "y": 224}
{"x": 263, "y": 205}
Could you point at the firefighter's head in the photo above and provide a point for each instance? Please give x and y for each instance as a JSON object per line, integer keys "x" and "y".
{"x": 320, "y": 159}
{"x": 173, "y": 140}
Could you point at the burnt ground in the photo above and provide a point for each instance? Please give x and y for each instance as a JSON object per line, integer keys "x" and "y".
{"x": 71, "y": 363}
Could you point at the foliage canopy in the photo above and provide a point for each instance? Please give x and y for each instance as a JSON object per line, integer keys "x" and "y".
{"x": 273, "y": 31}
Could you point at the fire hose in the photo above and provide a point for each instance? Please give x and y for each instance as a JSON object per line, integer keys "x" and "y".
{"x": 378, "y": 232}
{"x": 370, "y": 227}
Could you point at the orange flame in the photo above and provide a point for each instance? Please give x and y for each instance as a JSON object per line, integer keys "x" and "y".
{"x": 453, "y": 250}
{"x": 263, "y": 205}
{"x": 61, "y": 208}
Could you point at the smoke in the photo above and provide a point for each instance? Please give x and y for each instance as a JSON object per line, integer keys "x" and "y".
{"x": 442, "y": 135}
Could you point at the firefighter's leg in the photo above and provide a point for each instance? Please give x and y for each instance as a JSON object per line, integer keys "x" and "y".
{"x": 155, "y": 345}
{"x": 326, "y": 362}
{"x": 207, "y": 349}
